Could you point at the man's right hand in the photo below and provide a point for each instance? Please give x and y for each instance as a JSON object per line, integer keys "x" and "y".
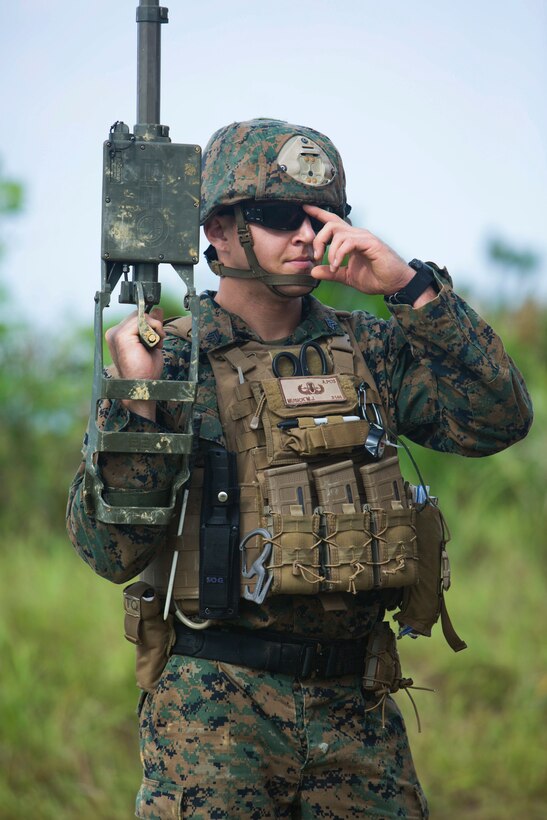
{"x": 133, "y": 360}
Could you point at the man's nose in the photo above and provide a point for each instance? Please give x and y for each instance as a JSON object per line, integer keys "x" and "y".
{"x": 305, "y": 232}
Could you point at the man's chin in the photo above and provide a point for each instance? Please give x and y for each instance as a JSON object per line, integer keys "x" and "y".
{"x": 292, "y": 291}
{"x": 295, "y": 291}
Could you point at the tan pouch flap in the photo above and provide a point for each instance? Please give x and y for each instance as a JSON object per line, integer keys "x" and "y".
{"x": 140, "y": 602}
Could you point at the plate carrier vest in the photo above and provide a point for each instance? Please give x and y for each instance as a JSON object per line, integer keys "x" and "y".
{"x": 317, "y": 510}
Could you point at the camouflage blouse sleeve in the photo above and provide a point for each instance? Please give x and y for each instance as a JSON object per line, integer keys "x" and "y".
{"x": 446, "y": 377}
{"x": 119, "y": 552}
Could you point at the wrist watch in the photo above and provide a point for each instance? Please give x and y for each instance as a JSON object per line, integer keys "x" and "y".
{"x": 422, "y": 279}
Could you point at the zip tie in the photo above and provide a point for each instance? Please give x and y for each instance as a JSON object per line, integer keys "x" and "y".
{"x": 189, "y": 622}
{"x": 255, "y": 421}
{"x": 174, "y": 562}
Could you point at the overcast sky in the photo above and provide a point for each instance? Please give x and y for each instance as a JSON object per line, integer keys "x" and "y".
{"x": 438, "y": 108}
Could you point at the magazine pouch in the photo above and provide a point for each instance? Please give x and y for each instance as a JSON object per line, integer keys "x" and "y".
{"x": 295, "y": 564}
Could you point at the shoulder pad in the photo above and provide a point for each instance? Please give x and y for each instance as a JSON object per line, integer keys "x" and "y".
{"x": 179, "y": 326}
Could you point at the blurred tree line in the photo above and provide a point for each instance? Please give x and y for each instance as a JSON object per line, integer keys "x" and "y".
{"x": 44, "y": 402}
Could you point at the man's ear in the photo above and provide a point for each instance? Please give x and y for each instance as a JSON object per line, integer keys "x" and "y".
{"x": 215, "y": 230}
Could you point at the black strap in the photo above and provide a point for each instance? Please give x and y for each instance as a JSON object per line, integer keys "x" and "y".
{"x": 272, "y": 651}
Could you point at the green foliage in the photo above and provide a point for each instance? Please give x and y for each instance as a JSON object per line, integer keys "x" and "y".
{"x": 11, "y": 200}
{"x": 517, "y": 270}
{"x": 340, "y": 297}
{"x": 11, "y": 196}
{"x": 45, "y": 390}
{"x": 481, "y": 753}
{"x": 524, "y": 261}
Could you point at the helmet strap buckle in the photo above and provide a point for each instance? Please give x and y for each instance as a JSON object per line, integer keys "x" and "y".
{"x": 243, "y": 229}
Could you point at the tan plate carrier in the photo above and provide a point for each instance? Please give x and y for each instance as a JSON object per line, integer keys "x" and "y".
{"x": 338, "y": 521}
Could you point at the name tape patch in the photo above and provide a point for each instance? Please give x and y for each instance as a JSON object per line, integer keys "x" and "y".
{"x": 299, "y": 390}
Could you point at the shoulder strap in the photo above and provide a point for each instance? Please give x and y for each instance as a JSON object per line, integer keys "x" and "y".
{"x": 359, "y": 365}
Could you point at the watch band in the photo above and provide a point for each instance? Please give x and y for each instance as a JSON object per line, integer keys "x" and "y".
{"x": 422, "y": 279}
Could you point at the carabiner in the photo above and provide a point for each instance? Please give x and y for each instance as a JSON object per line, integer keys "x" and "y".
{"x": 375, "y": 442}
{"x": 257, "y": 568}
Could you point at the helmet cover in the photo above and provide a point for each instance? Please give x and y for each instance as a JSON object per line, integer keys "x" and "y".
{"x": 267, "y": 159}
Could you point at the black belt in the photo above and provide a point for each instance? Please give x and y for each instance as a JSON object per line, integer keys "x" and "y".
{"x": 272, "y": 651}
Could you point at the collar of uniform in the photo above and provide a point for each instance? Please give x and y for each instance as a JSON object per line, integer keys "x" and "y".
{"x": 318, "y": 321}
{"x": 224, "y": 328}
{"x": 215, "y": 322}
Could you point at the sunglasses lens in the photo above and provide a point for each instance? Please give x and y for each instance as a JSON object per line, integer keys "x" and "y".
{"x": 280, "y": 216}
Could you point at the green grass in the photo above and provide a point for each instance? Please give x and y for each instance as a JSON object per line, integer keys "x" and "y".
{"x": 68, "y": 745}
{"x": 481, "y": 753}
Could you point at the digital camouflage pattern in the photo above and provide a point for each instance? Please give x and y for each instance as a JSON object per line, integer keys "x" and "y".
{"x": 240, "y": 162}
{"x": 281, "y": 748}
{"x": 447, "y": 383}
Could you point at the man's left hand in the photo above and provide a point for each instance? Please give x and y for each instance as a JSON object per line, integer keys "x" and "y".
{"x": 373, "y": 267}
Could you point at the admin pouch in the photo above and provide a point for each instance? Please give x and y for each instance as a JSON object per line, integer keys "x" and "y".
{"x": 145, "y": 627}
{"x": 289, "y": 407}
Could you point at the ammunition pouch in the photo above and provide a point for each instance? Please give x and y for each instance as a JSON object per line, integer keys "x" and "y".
{"x": 296, "y": 564}
{"x": 390, "y": 549}
{"x": 342, "y": 552}
{"x": 145, "y": 627}
{"x": 382, "y": 668}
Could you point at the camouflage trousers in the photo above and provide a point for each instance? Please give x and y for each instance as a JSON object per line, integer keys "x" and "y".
{"x": 221, "y": 741}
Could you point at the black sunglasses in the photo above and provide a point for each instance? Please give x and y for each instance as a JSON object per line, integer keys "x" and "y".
{"x": 280, "y": 216}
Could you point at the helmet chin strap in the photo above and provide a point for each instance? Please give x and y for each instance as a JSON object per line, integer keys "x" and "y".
{"x": 256, "y": 271}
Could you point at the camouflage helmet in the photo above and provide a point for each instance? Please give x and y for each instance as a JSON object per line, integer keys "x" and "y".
{"x": 271, "y": 159}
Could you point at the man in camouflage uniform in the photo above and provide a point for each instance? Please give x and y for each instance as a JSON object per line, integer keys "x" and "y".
{"x": 221, "y": 739}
